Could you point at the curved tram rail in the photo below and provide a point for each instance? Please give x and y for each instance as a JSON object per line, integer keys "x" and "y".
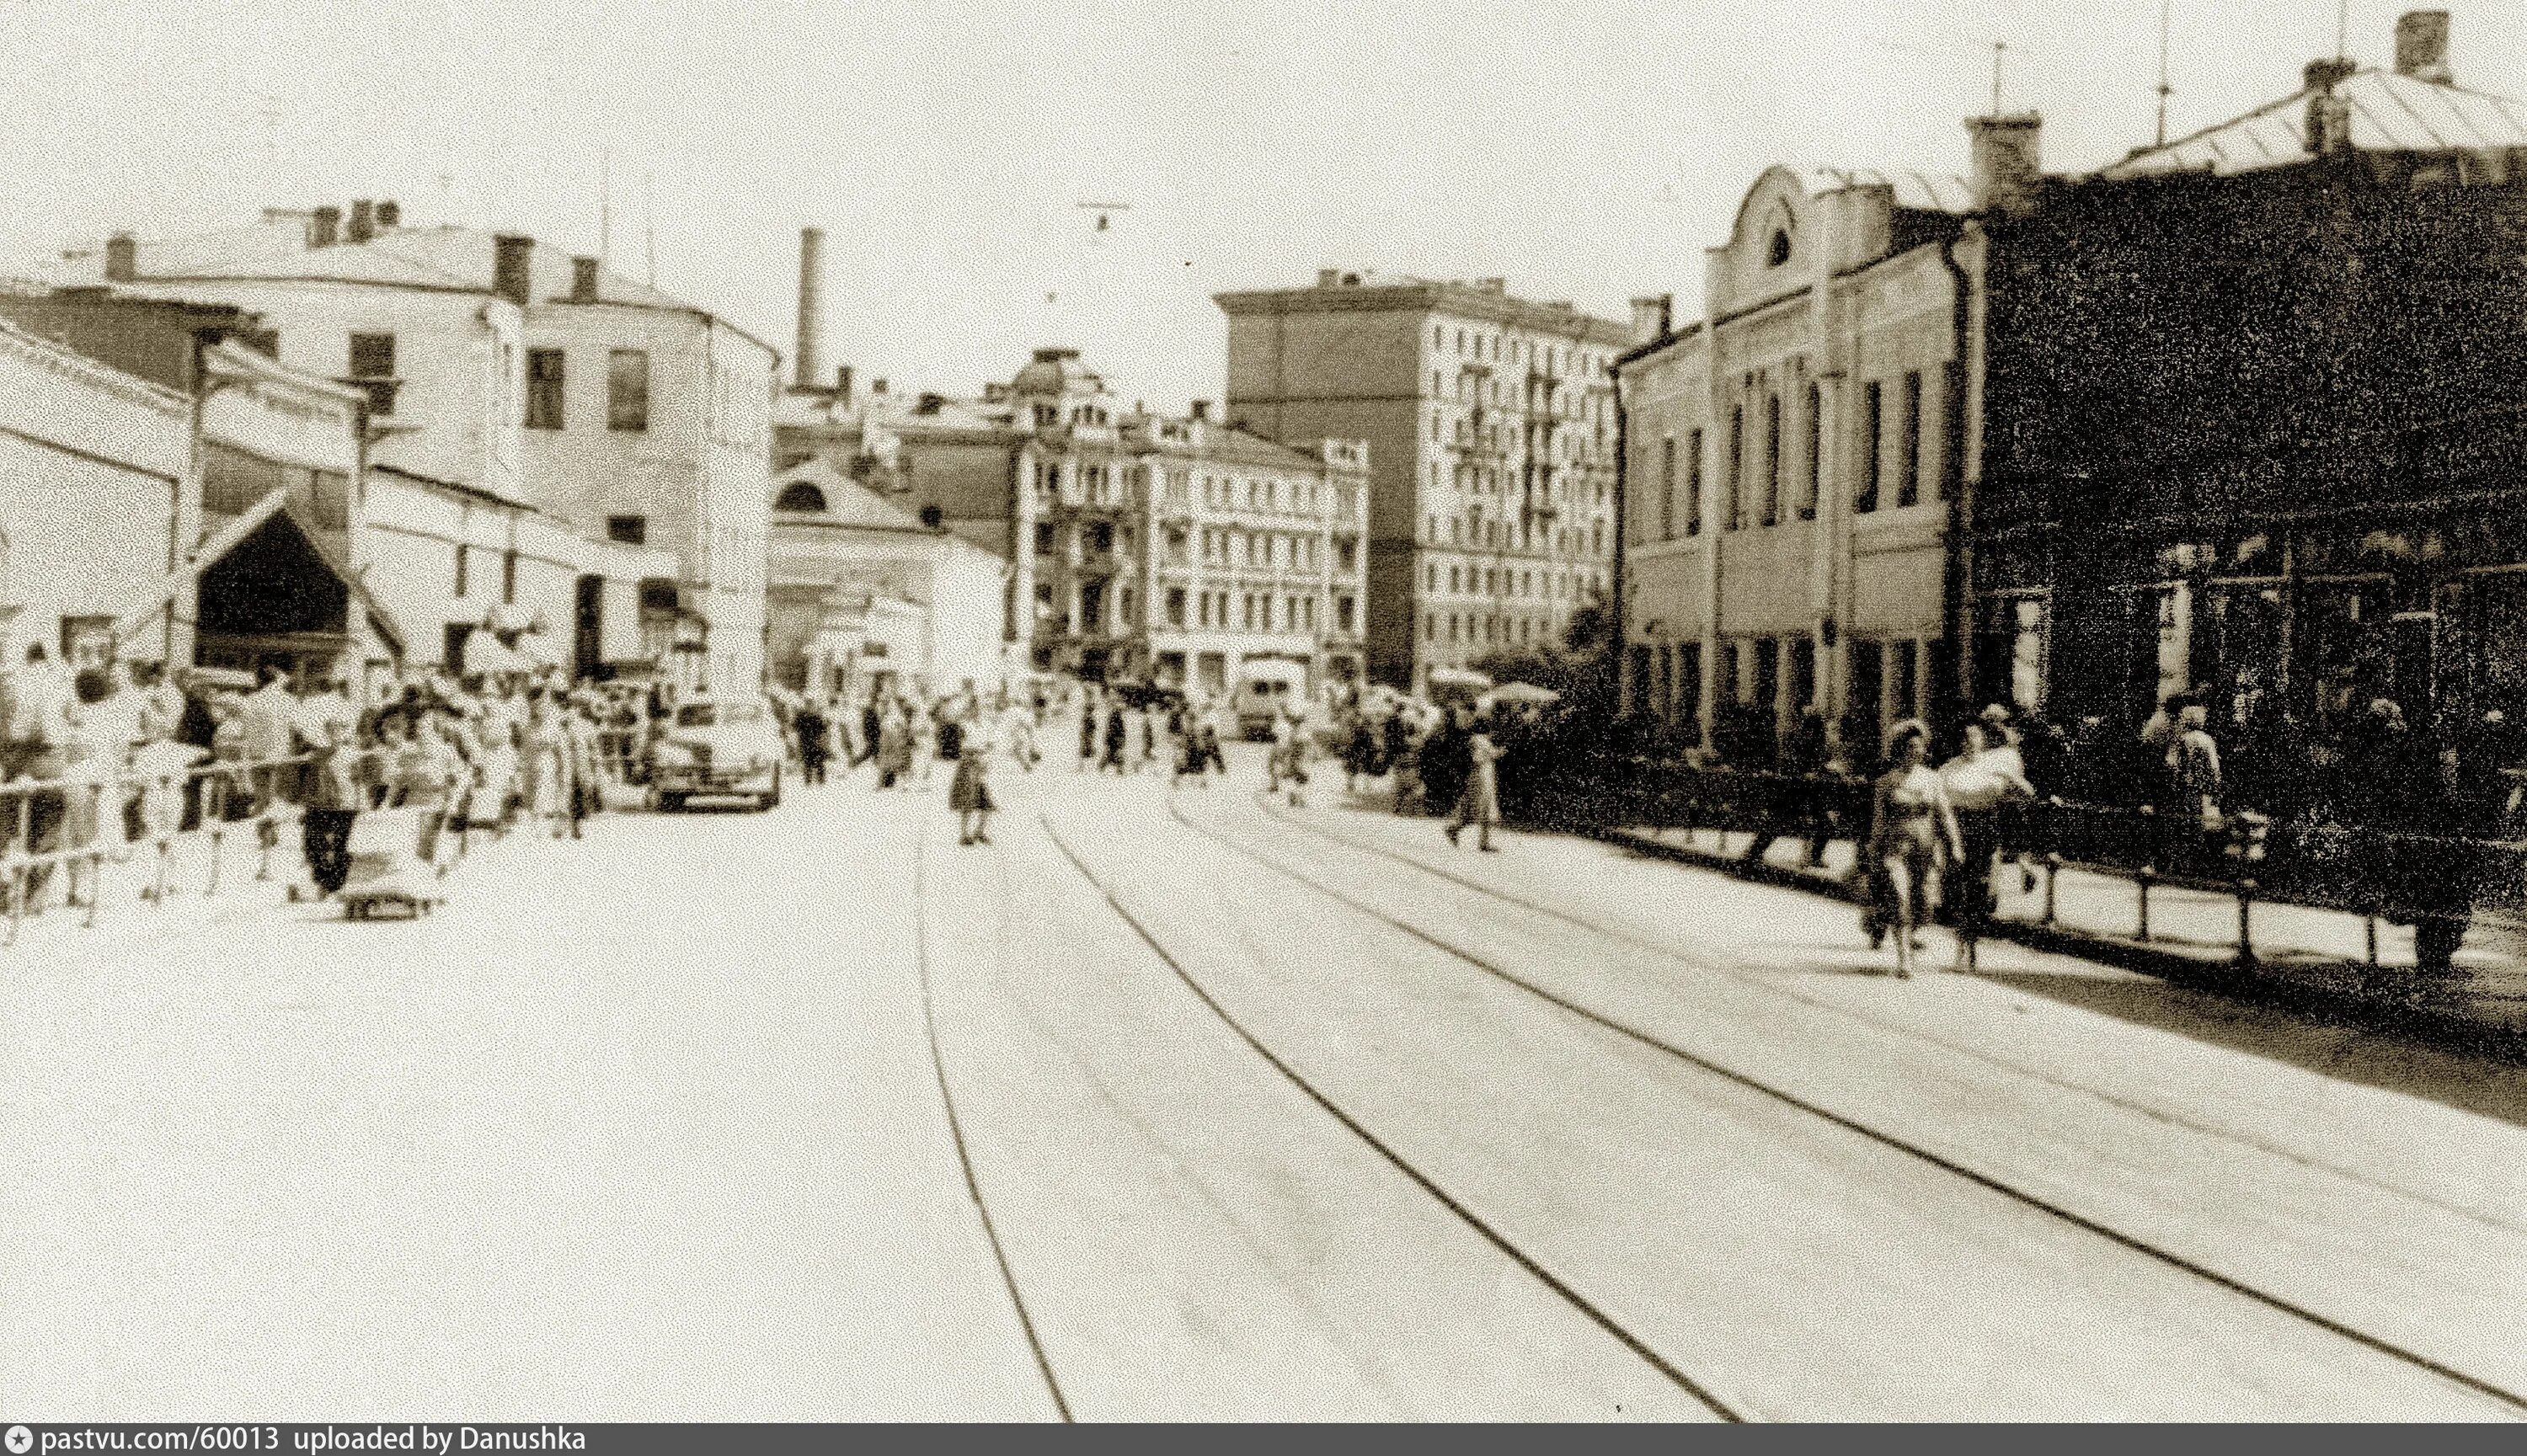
{"x": 2510, "y": 1398}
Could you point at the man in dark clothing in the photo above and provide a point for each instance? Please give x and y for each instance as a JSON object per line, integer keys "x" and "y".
{"x": 812, "y": 731}
{"x": 1801, "y": 802}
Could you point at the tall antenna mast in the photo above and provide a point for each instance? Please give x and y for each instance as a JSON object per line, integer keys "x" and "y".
{"x": 606, "y": 207}
{"x": 1999, "y": 48}
{"x": 2343, "y": 29}
{"x": 2164, "y": 89}
{"x": 650, "y": 225}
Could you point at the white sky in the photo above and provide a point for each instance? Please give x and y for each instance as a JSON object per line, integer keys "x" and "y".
{"x": 1584, "y": 149}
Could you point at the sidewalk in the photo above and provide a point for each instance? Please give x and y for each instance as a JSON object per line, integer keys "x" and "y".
{"x": 2319, "y": 960}
{"x": 128, "y": 915}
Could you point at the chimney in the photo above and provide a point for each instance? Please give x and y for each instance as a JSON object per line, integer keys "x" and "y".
{"x": 1653, "y": 317}
{"x": 810, "y": 354}
{"x": 1202, "y": 412}
{"x": 842, "y": 382}
{"x": 364, "y": 221}
{"x": 511, "y": 273}
{"x": 122, "y": 259}
{"x": 324, "y": 227}
{"x": 877, "y": 385}
{"x": 2329, "y": 116}
{"x": 390, "y": 215}
{"x": 2006, "y": 165}
{"x": 2421, "y": 46}
{"x": 583, "y": 280}
{"x": 1328, "y": 278}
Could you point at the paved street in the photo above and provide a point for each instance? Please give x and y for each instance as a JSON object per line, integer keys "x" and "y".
{"x": 1272, "y": 1111}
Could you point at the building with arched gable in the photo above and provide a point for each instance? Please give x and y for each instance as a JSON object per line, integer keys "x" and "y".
{"x": 1790, "y": 458}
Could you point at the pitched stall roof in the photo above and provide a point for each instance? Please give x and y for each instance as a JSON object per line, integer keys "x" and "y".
{"x": 2390, "y": 113}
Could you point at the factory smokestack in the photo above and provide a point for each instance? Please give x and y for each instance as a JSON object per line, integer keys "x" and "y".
{"x": 810, "y": 361}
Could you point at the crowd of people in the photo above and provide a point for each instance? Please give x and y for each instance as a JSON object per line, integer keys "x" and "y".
{"x": 2410, "y": 819}
{"x": 102, "y": 760}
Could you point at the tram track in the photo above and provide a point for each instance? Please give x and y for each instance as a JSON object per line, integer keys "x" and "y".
{"x": 956, "y": 1125}
{"x": 1773, "y": 987}
{"x": 1698, "y": 1389}
{"x": 2512, "y": 1400}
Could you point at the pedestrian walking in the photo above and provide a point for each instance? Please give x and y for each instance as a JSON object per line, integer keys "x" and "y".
{"x": 1980, "y": 782}
{"x": 893, "y": 747}
{"x": 1910, "y": 825}
{"x": 331, "y": 806}
{"x": 815, "y": 745}
{"x": 1478, "y": 803}
{"x": 1116, "y": 731}
{"x": 969, "y": 792}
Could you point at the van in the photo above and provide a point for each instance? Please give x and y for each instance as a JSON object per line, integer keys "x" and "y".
{"x": 1266, "y": 688}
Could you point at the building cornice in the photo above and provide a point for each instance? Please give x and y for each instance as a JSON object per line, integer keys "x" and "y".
{"x": 1460, "y": 300}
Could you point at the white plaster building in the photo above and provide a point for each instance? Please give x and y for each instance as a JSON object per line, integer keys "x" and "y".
{"x": 553, "y": 449}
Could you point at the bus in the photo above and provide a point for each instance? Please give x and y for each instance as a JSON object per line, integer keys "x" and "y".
{"x": 1267, "y": 687}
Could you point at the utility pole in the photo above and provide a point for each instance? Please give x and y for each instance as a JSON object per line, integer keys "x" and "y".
{"x": 2164, "y": 89}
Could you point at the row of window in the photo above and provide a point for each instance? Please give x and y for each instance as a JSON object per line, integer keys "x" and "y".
{"x": 1465, "y": 628}
{"x": 1501, "y": 581}
{"x": 1553, "y": 358}
{"x": 1886, "y": 678}
{"x": 1870, "y": 485}
{"x": 1256, "y": 610}
{"x": 372, "y": 366}
{"x": 1472, "y": 529}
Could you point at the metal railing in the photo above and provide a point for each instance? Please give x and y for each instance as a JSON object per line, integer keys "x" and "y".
{"x": 2377, "y": 873}
{"x": 180, "y": 823}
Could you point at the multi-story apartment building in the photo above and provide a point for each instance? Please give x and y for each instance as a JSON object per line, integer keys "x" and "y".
{"x": 1139, "y": 547}
{"x": 573, "y": 462}
{"x": 1791, "y": 456}
{"x": 1491, "y": 424}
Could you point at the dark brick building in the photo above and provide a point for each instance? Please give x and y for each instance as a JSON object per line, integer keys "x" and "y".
{"x": 2254, "y": 413}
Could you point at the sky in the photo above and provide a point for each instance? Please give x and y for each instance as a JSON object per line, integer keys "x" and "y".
{"x": 1586, "y": 150}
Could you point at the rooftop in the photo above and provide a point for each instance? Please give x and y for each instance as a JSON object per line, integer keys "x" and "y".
{"x": 2390, "y": 111}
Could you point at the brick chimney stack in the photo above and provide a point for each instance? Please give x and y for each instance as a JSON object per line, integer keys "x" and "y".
{"x": 364, "y": 221}
{"x": 809, "y": 357}
{"x": 2422, "y": 46}
{"x": 2329, "y": 116}
{"x": 324, "y": 227}
{"x": 512, "y": 271}
{"x": 2006, "y": 160}
{"x": 583, "y": 280}
{"x": 121, "y": 258}
{"x": 1652, "y": 317}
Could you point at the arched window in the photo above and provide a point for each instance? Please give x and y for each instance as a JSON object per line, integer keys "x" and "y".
{"x": 1778, "y": 251}
{"x": 800, "y": 495}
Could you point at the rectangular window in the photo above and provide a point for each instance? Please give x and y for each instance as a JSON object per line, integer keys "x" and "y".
{"x": 1735, "y": 517}
{"x": 1904, "y": 678}
{"x": 1771, "y": 459}
{"x": 1666, "y": 488}
{"x": 373, "y": 367}
{"x": 1176, "y": 606}
{"x": 373, "y": 356}
{"x": 631, "y": 531}
{"x": 1724, "y": 687}
{"x": 1908, "y": 463}
{"x": 543, "y": 388}
{"x": 1768, "y": 672}
{"x": 1693, "y": 484}
{"x": 1872, "y": 429}
{"x": 1812, "y": 459}
{"x": 1344, "y": 608}
{"x": 627, "y": 390}
{"x": 1044, "y": 538}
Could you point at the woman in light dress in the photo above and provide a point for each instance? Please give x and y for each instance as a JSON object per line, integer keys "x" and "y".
{"x": 1911, "y": 824}
{"x": 1479, "y": 804}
